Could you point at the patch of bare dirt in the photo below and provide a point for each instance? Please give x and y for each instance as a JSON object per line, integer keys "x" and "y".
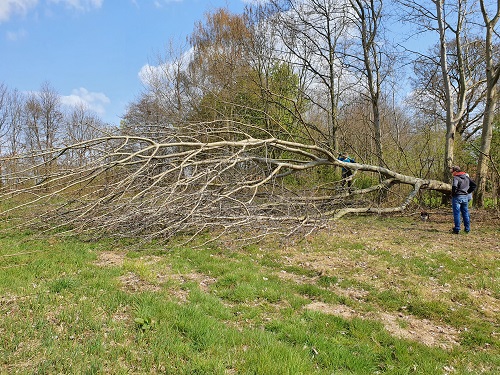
{"x": 133, "y": 283}
{"x": 122, "y": 315}
{"x": 181, "y": 294}
{"x": 489, "y": 305}
{"x": 110, "y": 259}
{"x": 400, "y": 325}
{"x": 202, "y": 280}
{"x": 349, "y": 292}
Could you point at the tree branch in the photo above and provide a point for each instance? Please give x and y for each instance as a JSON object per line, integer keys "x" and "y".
{"x": 134, "y": 186}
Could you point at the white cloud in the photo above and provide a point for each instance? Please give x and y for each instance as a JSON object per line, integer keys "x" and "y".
{"x": 146, "y": 72}
{"x": 160, "y": 3}
{"x": 14, "y": 36}
{"x": 95, "y": 101}
{"x": 82, "y": 5}
{"x": 10, "y": 7}
{"x": 150, "y": 73}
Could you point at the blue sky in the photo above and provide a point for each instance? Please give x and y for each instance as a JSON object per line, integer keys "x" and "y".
{"x": 92, "y": 50}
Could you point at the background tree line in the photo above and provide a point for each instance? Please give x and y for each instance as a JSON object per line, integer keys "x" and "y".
{"x": 31, "y": 122}
{"x": 314, "y": 72}
{"x": 326, "y": 71}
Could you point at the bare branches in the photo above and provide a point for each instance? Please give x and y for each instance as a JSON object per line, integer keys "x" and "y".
{"x": 135, "y": 186}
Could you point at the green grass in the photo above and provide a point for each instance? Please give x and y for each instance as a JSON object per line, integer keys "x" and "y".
{"x": 92, "y": 308}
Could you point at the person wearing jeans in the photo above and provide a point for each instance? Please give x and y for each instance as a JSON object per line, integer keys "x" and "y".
{"x": 460, "y": 204}
{"x": 461, "y": 187}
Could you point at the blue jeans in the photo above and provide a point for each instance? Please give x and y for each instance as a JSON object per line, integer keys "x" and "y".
{"x": 460, "y": 205}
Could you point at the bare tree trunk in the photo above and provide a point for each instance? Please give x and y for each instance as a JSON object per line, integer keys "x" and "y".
{"x": 492, "y": 76}
{"x": 484, "y": 155}
{"x": 455, "y": 107}
{"x": 454, "y": 110}
{"x": 313, "y": 33}
{"x": 450, "y": 121}
{"x": 368, "y": 19}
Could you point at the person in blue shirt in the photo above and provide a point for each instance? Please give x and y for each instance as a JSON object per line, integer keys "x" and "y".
{"x": 346, "y": 172}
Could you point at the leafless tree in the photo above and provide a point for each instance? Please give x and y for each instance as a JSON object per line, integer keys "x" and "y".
{"x": 430, "y": 95}
{"x": 81, "y": 125}
{"x": 373, "y": 62}
{"x": 181, "y": 185}
{"x": 43, "y": 118}
{"x": 13, "y": 137}
{"x": 147, "y": 117}
{"x": 3, "y": 107}
{"x": 12, "y": 123}
{"x": 169, "y": 95}
{"x": 313, "y": 36}
{"x": 492, "y": 76}
{"x": 449, "y": 20}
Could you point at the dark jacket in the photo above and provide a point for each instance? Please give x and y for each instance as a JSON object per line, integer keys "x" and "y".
{"x": 462, "y": 184}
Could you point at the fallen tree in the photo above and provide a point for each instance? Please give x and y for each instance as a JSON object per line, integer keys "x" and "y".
{"x": 140, "y": 187}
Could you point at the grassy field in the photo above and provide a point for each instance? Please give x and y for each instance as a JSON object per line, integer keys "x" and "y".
{"x": 368, "y": 295}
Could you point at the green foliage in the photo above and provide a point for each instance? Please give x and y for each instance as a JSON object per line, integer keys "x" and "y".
{"x": 364, "y": 181}
{"x": 271, "y": 110}
{"x": 144, "y": 324}
{"x": 430, "y": 199}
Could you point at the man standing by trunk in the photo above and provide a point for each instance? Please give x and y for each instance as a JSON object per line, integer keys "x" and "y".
{"x": 461, "y": 187}
{"x": 346, "y": 172}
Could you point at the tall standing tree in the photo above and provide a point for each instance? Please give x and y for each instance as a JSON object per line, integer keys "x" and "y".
{"x": 313, "y": 36}
{"x": 81, "y": 124}
{"x": 147, "y": 116}
{"x": 4, "y": 97}
{"x": 368, "y": 15}
{"x": 44, "y": 118}
{"x": 239, "y": 81}
{"x": 44, "y": 121}
{"x": 492, "y": 76}
{"x": 12, "y": 144}
{"x": 448, "y": 19}
{"x": 277, "y": 87}
{"x": 429, "y": 92}
{"x": 170, "y": 94}
{"x": 15, "y": 122}
{"x": 219, "y": 62}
